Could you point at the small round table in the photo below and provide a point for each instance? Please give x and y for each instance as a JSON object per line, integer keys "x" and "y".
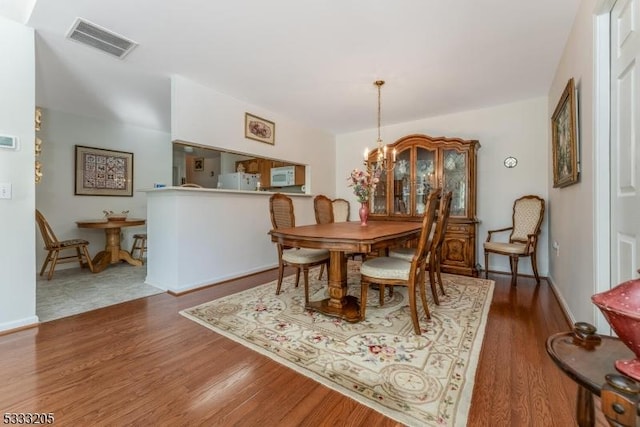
{"x": 586, "y": 358}
{"x": 112, "y": 252}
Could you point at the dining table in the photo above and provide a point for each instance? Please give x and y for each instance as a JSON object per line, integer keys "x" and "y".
{"x": 338, "y": 238}
{"x": 113, "y": 253}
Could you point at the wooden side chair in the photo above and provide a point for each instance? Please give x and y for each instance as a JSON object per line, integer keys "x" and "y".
{"x": 341, "y": 208}
{"x": 528, "y": 212}
{"x": 55, "y": 247}
{"x": 139, "y": 245}
{"x": 323, "y": 208}
{"x": 434, "y": 255}
{"x": 282, "y": 216}
{"x": 391, "y": 271}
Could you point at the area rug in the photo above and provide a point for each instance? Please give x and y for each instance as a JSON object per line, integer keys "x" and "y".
{"x": 422, "y": 380}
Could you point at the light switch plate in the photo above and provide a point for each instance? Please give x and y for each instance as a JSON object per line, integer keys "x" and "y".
{"x": 5, "y": 190}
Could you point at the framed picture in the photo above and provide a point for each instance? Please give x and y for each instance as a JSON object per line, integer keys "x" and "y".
{"x": 101, "y": 172}
{"x": 198, "y": 164}
{"x": 564, "y": 139}
{"x": 259, "y": 129}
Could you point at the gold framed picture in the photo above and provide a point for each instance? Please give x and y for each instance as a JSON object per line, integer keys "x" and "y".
{"x": 259, "y": 129}
{"x": 564, "y": 143}
{"x": 101, "y": 172}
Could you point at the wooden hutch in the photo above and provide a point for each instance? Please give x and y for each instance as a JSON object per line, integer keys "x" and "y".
{"x": 422, "y": 164}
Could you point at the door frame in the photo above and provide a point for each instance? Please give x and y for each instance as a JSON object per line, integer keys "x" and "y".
{"x": 602, "y": 145}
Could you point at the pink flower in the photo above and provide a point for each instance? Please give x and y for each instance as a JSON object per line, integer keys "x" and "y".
{"x": 363, "y": 183}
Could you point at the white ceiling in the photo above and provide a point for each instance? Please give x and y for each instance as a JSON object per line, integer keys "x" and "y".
{"x": 313, "y": 61}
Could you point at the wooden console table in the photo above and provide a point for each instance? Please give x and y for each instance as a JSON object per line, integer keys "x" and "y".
{"x": 588, "y": 359}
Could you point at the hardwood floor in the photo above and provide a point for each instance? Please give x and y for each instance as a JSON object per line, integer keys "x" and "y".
{"x": 141, "y": 363}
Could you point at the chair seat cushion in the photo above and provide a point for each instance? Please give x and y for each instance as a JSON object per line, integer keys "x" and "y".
{"x": 508, "y": 248}
{"x": 304, "y": 255}
{"x": 402, "y": 253}
{"x": 386, "y": 268}
{"x": 72, "y": 242}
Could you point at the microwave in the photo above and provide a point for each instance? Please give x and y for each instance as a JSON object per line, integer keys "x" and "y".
{"x": 283, "y": 176}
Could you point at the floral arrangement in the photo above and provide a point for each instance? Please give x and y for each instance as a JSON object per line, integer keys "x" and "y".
{"x": 363, "y": 183}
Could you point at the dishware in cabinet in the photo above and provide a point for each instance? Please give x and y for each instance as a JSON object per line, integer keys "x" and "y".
{"x": 424, "y": 163}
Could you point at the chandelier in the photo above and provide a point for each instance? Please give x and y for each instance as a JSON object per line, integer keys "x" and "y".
{"x": 382, "y": 162}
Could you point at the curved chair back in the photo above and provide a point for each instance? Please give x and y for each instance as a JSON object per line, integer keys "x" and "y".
{"x": 323, "y": 209}
{"x": 442, "y": 221}
{"x": 425, "y": 239}
{"x": 281, "y": 209}
{"x": 341, "y": 209}
{"x": 528, "y": 212}
{"x": 49, "y": 237}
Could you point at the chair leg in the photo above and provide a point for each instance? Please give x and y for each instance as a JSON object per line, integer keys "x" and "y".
{"x": 46, "y": 261}
{"x": 321, "y": 271}
{"x": 280, "y": 274}
{"x": 85, "y": 249}
{"x": 438, "y": 274}
{"x": 432, "y": 282}
{"x": 297, "y": 276}
{"x": 305, "y": 271}
{"x": 79, "y": 255}
{"x": 414, "y": 309}
{"x": 486, "y": 264}
{"x": 534, "y": 266}
{"x": 381, "y": 290}
{"x": 364, "y": 288}
{"x": 54, "y": 261}
{"x": 514, "y": 270}
{"x": 423, "y": 293}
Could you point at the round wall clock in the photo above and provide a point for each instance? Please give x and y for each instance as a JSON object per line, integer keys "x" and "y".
{"x": 510, "y": 162}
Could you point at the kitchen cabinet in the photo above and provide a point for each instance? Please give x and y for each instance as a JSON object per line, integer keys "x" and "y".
{"x": 422, "y": 164}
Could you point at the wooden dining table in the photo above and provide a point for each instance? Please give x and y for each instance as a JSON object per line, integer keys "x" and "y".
{"x": 113, "y": 252}
{"x": 338, "y": 238}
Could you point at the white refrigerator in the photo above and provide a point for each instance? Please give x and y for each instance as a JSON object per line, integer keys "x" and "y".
{"x": 239, "y": 181}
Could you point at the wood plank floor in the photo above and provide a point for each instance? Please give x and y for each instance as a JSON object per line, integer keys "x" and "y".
{"x": 141, "y": 363}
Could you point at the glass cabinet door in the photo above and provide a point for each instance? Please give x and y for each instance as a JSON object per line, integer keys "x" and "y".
{"x": 401, "y": 188}
{"x": 425, "y": 179}
{"x": 454, "y": 176}
{"x": 379, "y": 199}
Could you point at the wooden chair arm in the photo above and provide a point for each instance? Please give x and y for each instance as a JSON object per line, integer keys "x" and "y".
{"x": 497, "y": 231}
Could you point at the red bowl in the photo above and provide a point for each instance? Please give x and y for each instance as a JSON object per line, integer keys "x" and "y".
{"x": 621, "y": 307}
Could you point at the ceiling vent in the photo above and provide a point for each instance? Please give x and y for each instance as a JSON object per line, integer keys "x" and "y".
{"x": 88, "y": 33}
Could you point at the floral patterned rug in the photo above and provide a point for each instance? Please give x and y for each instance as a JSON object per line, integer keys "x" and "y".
{"x": 416, "y": 380}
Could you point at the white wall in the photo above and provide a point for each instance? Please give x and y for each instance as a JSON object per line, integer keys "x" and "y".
{"x": 572, "y": 208}
{"x": 17, "y": 217}
{"x": 518, "y": 129}
{"x": 152, "y": 161}
{"x": 203, "y": 116}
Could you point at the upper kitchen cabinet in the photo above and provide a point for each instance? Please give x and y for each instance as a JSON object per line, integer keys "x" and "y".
{"x": 422, "y": 164}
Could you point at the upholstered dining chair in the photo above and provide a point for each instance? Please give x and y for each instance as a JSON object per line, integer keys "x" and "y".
{"x": 54, "y": 248}
{"x": 391, "y": 271}
{"x": 434, "y": 255}
{"x": 341, "y": 210}
{"x": 528, "y": 212}
{"x": 323, "y": 208}
{"x": 282, "y": 216}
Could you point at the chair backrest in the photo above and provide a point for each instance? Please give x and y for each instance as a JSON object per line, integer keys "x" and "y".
{"x": 281, "y": 209}
{"x": 323, "y": 208}
{"x": 424, "y": 241}
{"x": 49, "y": 237}
{"x": 341, "y": 209}
{"x": 442, "y": 220}
{"x": 528, "y": 212}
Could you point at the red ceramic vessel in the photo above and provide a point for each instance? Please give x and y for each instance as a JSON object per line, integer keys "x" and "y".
{"x": 621, "y": 307}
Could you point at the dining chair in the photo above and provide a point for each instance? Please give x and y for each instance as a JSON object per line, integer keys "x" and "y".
{"x": 282, "y": 216}
{"x": 391, "y": 271}
{"x": 528, "y": 212}
{"x": 323, "y": 209}
{"x": 434, "y": 254}
{"x": 54, "y": 248}
{"x": 341, "y": 210}
{"x": 139, "y": 245}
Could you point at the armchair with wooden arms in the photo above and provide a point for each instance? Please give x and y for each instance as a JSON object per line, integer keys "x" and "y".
{"x": 528, "y": 212}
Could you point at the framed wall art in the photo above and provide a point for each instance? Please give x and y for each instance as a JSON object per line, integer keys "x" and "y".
{"x": 101, "y": 172}
{"x": 564, "y": 142}
{"x": 259, "y": 129}
{"x": 198, "y": 164}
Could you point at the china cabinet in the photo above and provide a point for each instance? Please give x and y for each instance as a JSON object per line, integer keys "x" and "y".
{"x": 422, "y": 164}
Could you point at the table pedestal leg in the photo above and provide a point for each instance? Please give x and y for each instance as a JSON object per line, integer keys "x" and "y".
{"x": 584, "y": 408}
{"x": 113, "y": 253}
{"x": 339, "y": 304}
